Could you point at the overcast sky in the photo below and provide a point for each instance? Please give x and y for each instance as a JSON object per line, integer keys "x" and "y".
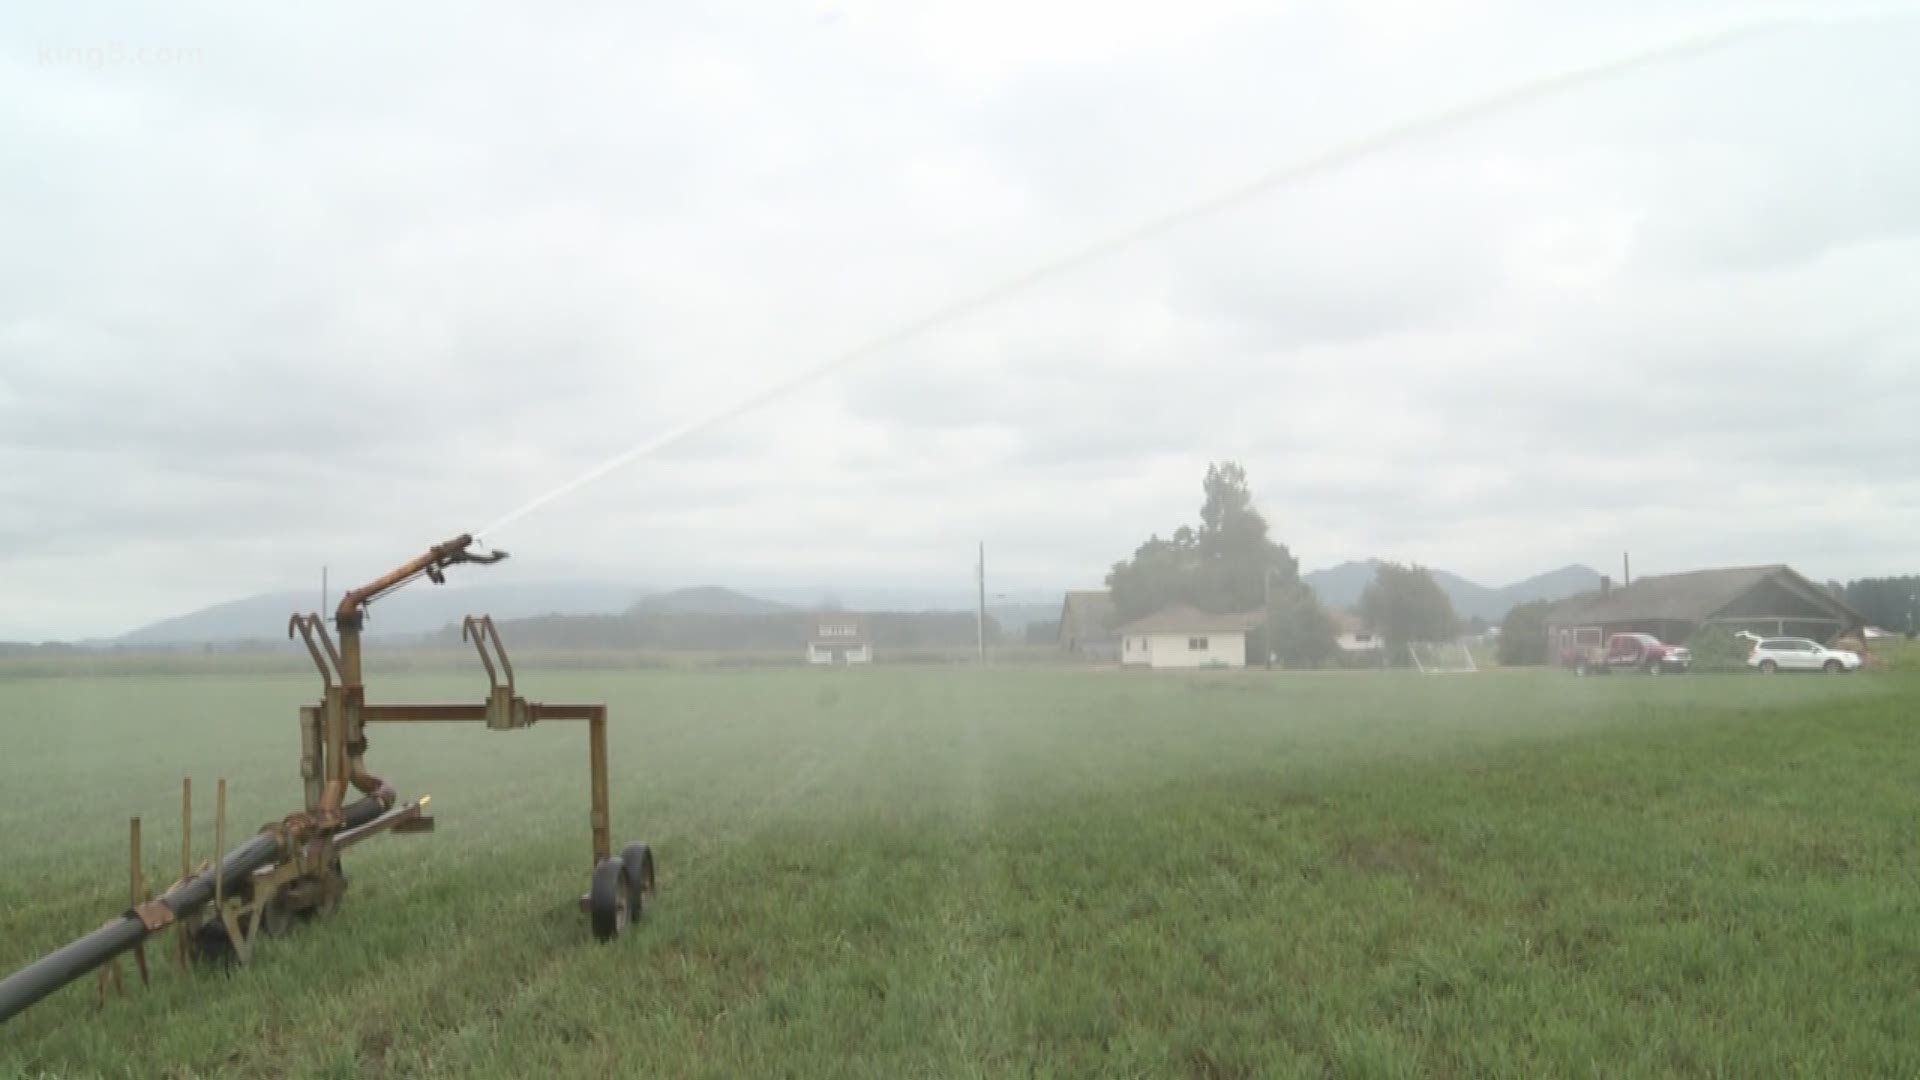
{"x": 283, "y": 286}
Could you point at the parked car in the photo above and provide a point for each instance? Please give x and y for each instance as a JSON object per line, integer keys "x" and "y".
{"x": 1630, "y": 652}
{"x": 1800, "y": 654}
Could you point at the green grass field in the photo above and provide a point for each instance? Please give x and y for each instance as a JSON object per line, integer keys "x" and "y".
{"x": 926, "y": 872}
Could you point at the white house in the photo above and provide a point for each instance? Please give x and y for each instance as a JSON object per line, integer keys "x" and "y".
{"x": 1355, "y": 639}
{"x": 839, "y": 638}
{"x": 1186, "y": 637}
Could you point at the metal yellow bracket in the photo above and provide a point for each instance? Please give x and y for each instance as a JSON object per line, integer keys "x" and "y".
{"x": 506, "y": 711}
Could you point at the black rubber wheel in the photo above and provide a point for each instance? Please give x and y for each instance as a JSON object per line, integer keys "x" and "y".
{"x": 637, "y": 858}
{"x": 607, "y": 899}
{"x": 1768, "y": 667}
{"x": 209, "y": 944}
{"x": 1833, "y": 667}
{"x": 276, "y": 918}
{"x": 1653, "y": 668}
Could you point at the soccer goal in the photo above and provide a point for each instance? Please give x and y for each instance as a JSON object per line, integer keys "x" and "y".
{"x": 1441, "y": 657}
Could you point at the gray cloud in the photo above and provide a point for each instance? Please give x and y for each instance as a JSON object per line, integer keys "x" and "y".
{"x": 354, "y": 279}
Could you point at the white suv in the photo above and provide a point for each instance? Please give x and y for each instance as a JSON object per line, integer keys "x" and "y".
{"x": 1799, "y": 654}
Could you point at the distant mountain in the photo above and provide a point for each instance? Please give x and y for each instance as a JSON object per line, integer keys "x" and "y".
{"x": 1340, "y": 587}
{"x": 707, "y": 600}
{"x": 1552, "y": 585}
{"x": 419, "y": 610}
{"x": 425, "y": 609}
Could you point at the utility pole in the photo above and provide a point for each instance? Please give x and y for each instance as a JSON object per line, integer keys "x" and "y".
{"x": 1626, "y": 571}
{"x": 980, "y": 621}
{"x": 1266, "y": 614}
{"x": 323, "y": 591}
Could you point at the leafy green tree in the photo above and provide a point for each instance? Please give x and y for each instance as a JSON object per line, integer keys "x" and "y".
{"x": 1299, "y": 630}
{"x": 1239, "y": 565}
{"x": 1523, "y": 634}
{"x": 1227, "y": 564}
{"x": 1160, "y": 573}
{"x": 1404, "y": 603}
{"x": 1715, "y": 648}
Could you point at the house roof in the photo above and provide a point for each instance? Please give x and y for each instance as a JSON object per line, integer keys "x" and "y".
{"x": 1347, "y": 621}
{"x": 1090, "y": 612}
{"x": 1186, "y": 619}
{"x": 1694, "y": 596}
{"x": 839, "y": 618}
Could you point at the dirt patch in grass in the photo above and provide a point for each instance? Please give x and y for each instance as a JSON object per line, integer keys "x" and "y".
{"x": 1202, "y": 1065}
{"x": 1407, "y": 856}
{"x": 1823, "y": 858}
{"x": 374, "y": 1045}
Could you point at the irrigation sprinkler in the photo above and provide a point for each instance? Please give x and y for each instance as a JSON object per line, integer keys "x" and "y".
{"x": 291, "y": 870}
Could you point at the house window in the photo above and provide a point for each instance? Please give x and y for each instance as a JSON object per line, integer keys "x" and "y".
{"x": 836, "y": 630}
{"x": 1196, "y": 644}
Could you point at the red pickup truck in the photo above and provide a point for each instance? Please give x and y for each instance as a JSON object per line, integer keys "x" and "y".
{"x": 1629, "y": 652}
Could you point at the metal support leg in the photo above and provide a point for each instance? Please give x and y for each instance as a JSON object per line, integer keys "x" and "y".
{"x": 186, "y": 863}
{"x": 220, "y": 840}
{"x": 241, "y": 938}
{"x": 109, "y": 976}
{"x": 597, "y": 751}
{"x": 312, "y": 755}
{"x": 137, "y": 892}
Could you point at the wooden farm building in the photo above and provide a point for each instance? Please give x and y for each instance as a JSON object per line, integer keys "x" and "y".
{"x": 1087, "y": 626}
{"x": 1773, "y": 601}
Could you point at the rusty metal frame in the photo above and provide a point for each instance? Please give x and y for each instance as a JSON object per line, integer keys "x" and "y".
{"x": 480, "y": 630}
{"x": 308, "y": 626}
{"x": 300, "y": 874}
{"x": 291, "y": 866}
{"x": 333, "y": 746}
{"x": 333, "y": 739}
{"x": 595, "y": 716}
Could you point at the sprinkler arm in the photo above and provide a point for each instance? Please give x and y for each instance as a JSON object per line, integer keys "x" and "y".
{"x": 346, "y": 744}
{"x": 433, "y": 564}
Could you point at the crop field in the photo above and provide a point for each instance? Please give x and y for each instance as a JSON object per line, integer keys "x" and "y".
{"x": 949, "y": 872}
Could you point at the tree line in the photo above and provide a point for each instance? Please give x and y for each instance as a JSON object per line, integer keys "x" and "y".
{"x": 1890, "y": 603}
{"x": 1229, "y": 563}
